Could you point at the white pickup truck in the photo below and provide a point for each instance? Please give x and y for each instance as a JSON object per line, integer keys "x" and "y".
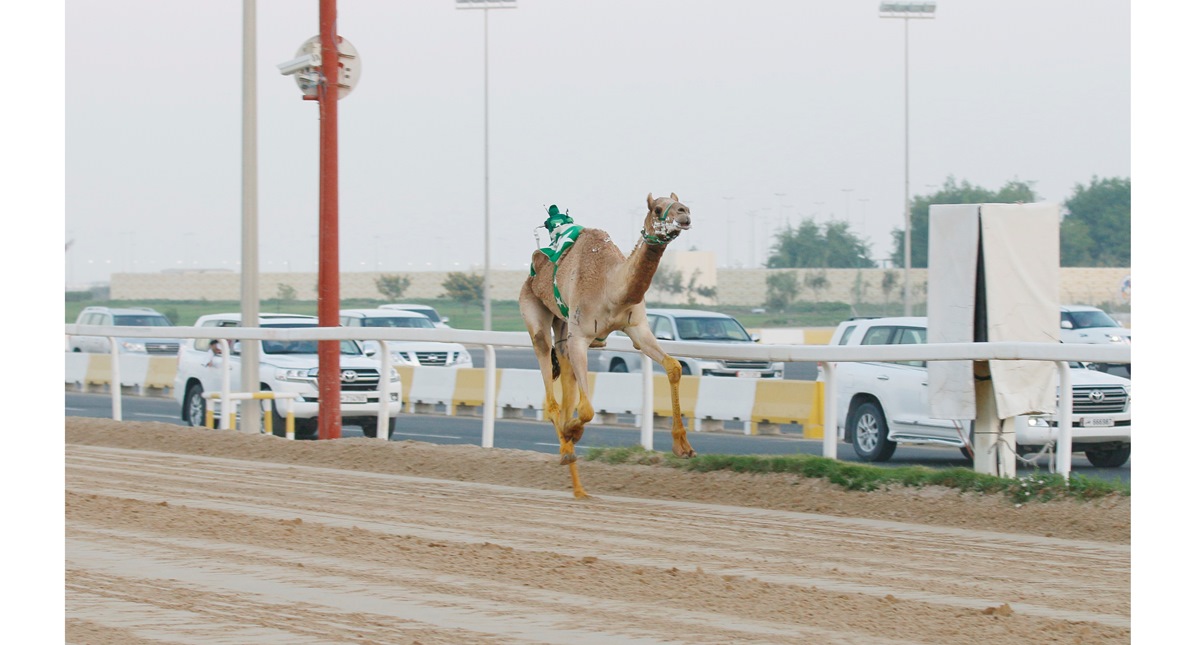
{"x": 883, "y": 404}
{"x": 285, "y": 366}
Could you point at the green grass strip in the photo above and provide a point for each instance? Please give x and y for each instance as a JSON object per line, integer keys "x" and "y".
{"x": 1036, "y": 487}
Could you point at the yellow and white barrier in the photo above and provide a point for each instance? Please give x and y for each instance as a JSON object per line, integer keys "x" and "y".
{"x": 268, "y": 418}
{"x": 708, "y": 401}
{"x": 144, "y": 374}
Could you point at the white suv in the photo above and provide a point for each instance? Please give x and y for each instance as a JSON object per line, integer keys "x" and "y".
{"x": 1090, "y": 325}
{"x": 285, "y": 366}
{"x": 408, "y": 353}
{"x": 695, "y": 325}
{"x": 882, "y": 404}
{"x": 123, "y": 317}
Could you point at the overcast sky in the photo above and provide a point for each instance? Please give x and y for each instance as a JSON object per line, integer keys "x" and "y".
{"x": 756, "y": 113}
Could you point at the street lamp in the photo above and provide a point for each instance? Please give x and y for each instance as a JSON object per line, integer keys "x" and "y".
{"x": 486, "y": 6}
{"x": 907, "y": 11}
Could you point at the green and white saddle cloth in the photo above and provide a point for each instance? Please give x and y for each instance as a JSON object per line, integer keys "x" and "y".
{"x": 563, "y": 231}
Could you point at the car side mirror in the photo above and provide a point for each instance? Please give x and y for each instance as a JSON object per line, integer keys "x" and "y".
{"x": 369, "y": 351}
{"x": 663, "y": 337}
{"x": 1066, "y": 324}
{"x": 756, "y": 338}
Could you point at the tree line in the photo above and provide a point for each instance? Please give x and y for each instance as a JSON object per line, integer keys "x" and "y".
{"x": 1095, "y": 229}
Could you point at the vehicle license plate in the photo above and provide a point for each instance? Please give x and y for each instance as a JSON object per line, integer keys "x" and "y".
{"x": 354, "y": 397}
{"x": 747, "y": 374}
{"x": 1097, "y": 422}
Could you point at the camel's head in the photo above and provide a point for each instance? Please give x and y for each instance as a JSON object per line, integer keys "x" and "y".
{"x": 666, "y": 220}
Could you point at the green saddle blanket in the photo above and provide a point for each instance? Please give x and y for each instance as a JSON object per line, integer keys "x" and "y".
{"x": 561, "y": 239}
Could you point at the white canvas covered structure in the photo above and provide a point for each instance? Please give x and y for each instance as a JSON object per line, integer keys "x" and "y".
{"x": 993, "y": 277}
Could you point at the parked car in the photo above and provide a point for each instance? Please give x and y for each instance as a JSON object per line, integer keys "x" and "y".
{"x": 285, "y": 366}
{"x": 883, "y": 404}
{"x": 434, "y": 317}
{"x": 123, "y": 317}
{"x": 1091, "y": 325}
{"x": 699, "y": 326}
{"x": 410, "y": 353}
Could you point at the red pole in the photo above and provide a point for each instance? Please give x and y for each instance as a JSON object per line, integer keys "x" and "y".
{"x": 328, "y": 298}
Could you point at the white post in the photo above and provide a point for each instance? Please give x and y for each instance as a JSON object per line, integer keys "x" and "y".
{"x": 114, "y": 378}
{"x": 1065, "y": 403}
{"x": 489, "y": 395}
{"x": 830, "y": 438}
{"x": 226, "y": 389}
{"x": 385, "y": 391}
{"x": 647, "y": 403}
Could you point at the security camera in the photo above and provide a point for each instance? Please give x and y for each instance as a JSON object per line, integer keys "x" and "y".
{"x": 297, "y": 65}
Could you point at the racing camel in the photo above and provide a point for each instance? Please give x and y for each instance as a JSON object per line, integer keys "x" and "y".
{"x": 579, "y": 290}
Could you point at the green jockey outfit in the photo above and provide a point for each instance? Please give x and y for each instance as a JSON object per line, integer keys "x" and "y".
{"x": 563, "y": 231}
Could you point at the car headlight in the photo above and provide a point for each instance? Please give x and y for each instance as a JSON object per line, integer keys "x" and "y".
{"x": 710, "y": 365}
{"x": 395, "y": 376}
{"x": 463, "y": 358}
{"x": 297, "y": 375}
{"x": 132, "y": 346}
{"x": 1038, "y": 422}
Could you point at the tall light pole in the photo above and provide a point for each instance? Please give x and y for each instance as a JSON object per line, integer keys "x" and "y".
{"x": 486, "y": 6}
{"x": 907, "y": 11}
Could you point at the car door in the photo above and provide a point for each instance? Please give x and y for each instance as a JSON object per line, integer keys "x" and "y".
{"x": 912, "y": 378}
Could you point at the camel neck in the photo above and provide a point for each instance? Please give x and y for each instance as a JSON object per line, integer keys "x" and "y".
{"x": 638, "y": 271}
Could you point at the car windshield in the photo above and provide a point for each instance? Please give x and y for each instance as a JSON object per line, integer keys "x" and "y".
{"x": 141, "y": 320}
{"x": 418, "y": 323}
{"x": 711, "y": 329}
{"x": 1090, "y": 319}
{"x": 348, "y": 347}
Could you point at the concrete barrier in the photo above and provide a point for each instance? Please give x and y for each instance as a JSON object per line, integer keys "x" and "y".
{"x": 708, "y": 402}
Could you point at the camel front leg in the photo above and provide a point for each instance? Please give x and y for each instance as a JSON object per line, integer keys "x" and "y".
{"x": 644, "y": 339}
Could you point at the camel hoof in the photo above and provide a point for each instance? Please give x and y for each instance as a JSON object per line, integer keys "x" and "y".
{"x": 580, "y": 494}
{"x": 567, "y": 459}
{"x": 685, "y": 453}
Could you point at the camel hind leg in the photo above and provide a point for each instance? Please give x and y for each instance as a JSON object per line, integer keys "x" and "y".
{"x": 538, "y": 321}
{"x": 644, "y": 339}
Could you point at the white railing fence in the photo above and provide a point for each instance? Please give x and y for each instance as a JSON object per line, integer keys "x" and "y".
{"x": 830, "y": 355}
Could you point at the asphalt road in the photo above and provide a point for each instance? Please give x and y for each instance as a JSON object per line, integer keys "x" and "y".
{"x": 539, "y": 436}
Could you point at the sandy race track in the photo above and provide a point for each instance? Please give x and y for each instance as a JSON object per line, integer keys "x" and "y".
{"x": 182, "y": 535}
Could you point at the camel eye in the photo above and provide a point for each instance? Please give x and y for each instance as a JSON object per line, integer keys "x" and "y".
{"x": 658, "y": 210}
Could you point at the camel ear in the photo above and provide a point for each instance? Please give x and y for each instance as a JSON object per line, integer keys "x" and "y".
{"x": 674, "y": 198}
{"x": 650, "y": 201}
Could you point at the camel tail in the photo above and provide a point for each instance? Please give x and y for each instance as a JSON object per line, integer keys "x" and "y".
{"x": 554, "y": 368}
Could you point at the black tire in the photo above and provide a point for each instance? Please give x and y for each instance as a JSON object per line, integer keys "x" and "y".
{"x": 618, "y": 365}
{"x": 1109, "y": 457}
{"x": 868, "y": 432}
{"x": 370, "y": 426}
{"x": 194, "y": 405}
{"x": 684, "y": 369}
{"x": 305, "y": 429}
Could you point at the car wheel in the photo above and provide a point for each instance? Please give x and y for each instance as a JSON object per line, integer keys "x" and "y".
{"x": 194, "y": 406}
{"x": 618, "y": 365}
{"x": 306, "y": 429}
{"x": 685, "y": 370}
{"x": 868, "y": 431}
{"x": 370, "y": 426}
{"x": 1109, "y": 457}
